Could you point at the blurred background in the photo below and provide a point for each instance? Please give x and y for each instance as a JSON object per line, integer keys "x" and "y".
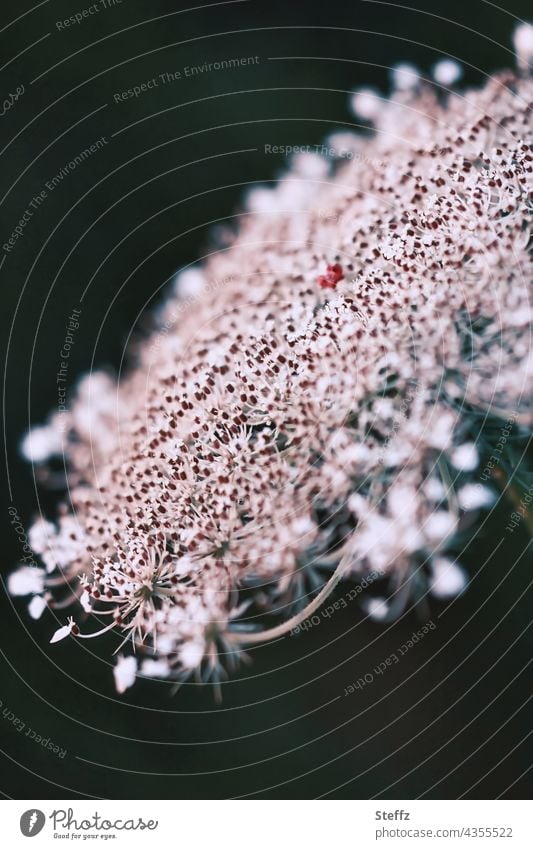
{"x": 454, "y": 717}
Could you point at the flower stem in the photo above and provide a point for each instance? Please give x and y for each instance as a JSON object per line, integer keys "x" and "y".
{"x": 294, "y": 621}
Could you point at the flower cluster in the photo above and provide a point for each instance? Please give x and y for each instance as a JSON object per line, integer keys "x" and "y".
{"x": 310, "y": 419}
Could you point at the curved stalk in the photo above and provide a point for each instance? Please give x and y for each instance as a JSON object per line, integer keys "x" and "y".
{"x": 245, "y": 639}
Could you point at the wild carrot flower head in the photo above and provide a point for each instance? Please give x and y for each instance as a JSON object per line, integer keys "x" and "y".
{"x": 310, "y": 416}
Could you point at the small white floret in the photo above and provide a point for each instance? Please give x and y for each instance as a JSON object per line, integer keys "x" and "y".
{"x": 366, "y": 104}
{"x": 448, "y": 579}
{"x": 447, "y": 72}
{"x": 26, "y": 580}
{"x": 523, "y": 45}
{"x": 189, "y": 283}
{"x": 472, "y": 496}
{"x": 63, "y": 632}
{"x": 439, "y": 526}
{"x": 36, "y": 606}
{"x": 465, "y": 457}
{"x": 405, "y": 76}
{"x": 192, "y": 653}
{"x": 85, "y": 601}
{"x": 377, "y": 609}
{"x": 41, "y": 443}
{"x": 310, "y": 165}
{"x": 124, "y": 673}
{"x": 155, "y": 668}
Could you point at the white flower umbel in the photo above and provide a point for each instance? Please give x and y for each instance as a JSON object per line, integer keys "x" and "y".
{"x": 305, "y": 413}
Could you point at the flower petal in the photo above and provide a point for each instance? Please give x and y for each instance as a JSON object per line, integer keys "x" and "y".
{"x": 63, "y": 632}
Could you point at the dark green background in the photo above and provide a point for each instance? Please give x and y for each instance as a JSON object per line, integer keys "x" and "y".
{"x": 455, "y": 710}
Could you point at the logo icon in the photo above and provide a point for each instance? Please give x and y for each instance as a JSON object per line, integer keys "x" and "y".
{"x": 32, "y": 822}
